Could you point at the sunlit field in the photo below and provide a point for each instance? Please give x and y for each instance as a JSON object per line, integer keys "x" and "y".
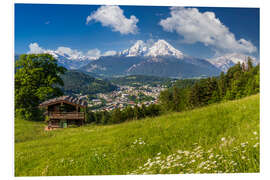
{"x": 220, "y": 138}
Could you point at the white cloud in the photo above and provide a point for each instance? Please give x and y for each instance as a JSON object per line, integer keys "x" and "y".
{"x": 195, "y": 26}
{"x": 93, "y": 53}
{"x": 35, "y": 49}
{"x": 113, "y": 16}
{"x": 109, "y": 53}
{"x": 69, "y": 53}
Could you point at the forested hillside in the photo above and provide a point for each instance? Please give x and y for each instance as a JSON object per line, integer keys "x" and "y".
{"x": 241, "y": 80}
{"x": 76, "y": 82}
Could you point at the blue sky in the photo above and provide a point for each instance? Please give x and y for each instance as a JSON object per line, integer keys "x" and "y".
{"x": 200, "y": 32}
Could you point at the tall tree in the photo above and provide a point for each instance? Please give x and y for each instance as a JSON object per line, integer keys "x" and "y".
{"x": 116, "y": 116}
{"x": 249, "y": 64}
{"x": 37, "y": 78}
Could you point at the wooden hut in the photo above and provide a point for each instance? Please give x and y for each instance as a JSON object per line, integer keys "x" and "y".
{"x": 64, "y": 111}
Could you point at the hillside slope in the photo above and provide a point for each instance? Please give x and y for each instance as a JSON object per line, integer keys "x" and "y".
{"x": 218, "y": 138}
{"x": 76, "y": 82}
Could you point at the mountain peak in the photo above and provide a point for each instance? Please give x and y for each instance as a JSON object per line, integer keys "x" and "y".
{"x": 138, "y": 49}
{"x": 159, "y": 48}
{"x": 163, "y": 48}
{"x": 163, "y": 42}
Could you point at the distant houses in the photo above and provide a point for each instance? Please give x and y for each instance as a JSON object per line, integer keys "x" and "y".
{"x": 123, "y": 97}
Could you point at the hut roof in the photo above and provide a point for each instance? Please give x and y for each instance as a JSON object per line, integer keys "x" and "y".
{"x": 68, "y": 99}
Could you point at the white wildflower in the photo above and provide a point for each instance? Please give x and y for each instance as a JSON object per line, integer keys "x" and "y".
{"x": 210, "y": 150}
{"x": 243, "y": 144}
{"x": 180, "y": 151}
{"x": 186, "y": 153}
{"x": 255, "y": 145}
{"x": 201, "y": 165}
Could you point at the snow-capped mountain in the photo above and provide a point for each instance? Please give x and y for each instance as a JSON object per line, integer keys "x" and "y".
{"x": 163, "y": 48}
{"x": 158, "y": 59}
{"x": 71, "y": 60}
{"x": 159, "y": 48}
{"x": 154, "y": 52}
{"x": 225, "y": 62}
{"x": 138, "y": 49}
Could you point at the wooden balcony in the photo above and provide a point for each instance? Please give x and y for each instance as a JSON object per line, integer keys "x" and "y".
{"x": 66, "y": 115}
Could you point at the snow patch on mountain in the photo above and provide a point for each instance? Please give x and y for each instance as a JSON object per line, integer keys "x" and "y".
{"x": 225, "y": 62}
{"x": 69, "y": 61}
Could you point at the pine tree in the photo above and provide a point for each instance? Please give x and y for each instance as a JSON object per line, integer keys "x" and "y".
{"x": 116, "y": 116}
{"x": 250, "y": 65}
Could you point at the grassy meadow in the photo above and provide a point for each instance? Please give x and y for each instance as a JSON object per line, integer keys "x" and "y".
{"x": 220, "y": 138}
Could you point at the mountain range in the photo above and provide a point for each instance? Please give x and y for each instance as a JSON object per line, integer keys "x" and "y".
{"x": 157, "y": 59}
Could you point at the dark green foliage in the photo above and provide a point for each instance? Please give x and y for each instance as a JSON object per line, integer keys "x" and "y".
{"x": 166, "y": 99}
{"x": 240, "y": 81}
{"x": 128, "y": 112}
{"x": 37, "y": 78}
{"x": 138, "y": 113}
{"x": 185, "y": 83}
{"x": 106, "y": 116}
{"x": 90, "y": 117}
{"x": 76, "y": 82}
{"x": 118, "y": 116}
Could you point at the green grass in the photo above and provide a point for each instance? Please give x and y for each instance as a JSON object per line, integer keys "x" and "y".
{"x": 219, "y": 138}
